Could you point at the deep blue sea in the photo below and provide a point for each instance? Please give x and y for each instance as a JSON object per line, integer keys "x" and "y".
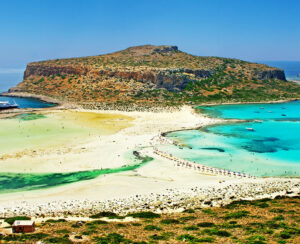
{"x": 272, "y": 148}
{"x": 10, "y": 78}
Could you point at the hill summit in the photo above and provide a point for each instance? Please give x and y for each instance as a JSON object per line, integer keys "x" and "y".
{"x": 155, "y": 75}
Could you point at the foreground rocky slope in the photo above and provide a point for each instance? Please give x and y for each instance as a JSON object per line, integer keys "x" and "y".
{"x": 155, "y": 75}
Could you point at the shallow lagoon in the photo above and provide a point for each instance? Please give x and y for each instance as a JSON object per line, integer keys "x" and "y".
{"x": 54, "y": 129}
{"x": 29, "y": 132}
{"x": 15, "y": 182}
{"x": 271, "y": 149}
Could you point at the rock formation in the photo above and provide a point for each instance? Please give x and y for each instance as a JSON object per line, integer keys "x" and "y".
{"x": 154, "y": 74}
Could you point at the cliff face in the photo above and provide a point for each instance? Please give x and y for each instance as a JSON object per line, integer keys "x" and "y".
{"x": 150, "y": 74}
{"x": 170, "y": 79}
{"x": 271, "y": 74}
{"x": 46, "y": 70}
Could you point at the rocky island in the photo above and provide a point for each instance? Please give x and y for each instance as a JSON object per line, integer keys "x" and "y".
{"x": 155, "y": 75}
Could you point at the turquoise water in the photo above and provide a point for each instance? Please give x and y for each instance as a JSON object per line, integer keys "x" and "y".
{"x": 15, "y": 182}
{"x": 271, "y": 149}
{"x": 275, "y": 111}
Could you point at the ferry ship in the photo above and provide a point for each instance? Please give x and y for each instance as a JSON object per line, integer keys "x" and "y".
{"x": 7, "y": 105}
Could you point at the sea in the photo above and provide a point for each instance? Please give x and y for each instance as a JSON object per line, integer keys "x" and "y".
{"x": 266, "y": 145}
{"x": 11, "y": 77}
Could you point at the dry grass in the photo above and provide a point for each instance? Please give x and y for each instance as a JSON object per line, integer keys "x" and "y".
{"x": 270, "y": 221}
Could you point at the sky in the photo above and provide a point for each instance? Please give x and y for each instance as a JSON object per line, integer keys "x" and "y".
{"x": 253, "y": 30}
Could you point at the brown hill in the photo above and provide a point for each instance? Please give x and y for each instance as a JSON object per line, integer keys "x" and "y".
{"x": 155, "y": 75}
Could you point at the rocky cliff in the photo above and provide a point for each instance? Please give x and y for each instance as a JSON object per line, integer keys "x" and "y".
{"x": 154, "y": 74}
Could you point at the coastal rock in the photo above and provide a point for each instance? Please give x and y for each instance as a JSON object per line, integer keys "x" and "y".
{"x": 270, "y": 74}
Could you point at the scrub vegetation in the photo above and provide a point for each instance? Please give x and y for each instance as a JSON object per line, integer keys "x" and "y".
{"x": 250, "y": 222}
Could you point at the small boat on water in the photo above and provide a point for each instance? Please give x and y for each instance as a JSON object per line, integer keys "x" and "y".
{"x": 249, "y": 129}
{"x": 258, "y": 121}
{"x": 7, "y": 105}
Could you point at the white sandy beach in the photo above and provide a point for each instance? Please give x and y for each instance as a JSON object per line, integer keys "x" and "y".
{"x": 122, "y": 192}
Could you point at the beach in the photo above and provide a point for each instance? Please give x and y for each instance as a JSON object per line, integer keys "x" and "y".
{"x": 159, "y": 185}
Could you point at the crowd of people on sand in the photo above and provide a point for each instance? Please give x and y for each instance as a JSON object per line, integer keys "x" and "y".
{"x": 196, "y": 166}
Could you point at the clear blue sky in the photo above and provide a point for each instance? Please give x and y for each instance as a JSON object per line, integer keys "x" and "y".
{"x": 247, "y": 29}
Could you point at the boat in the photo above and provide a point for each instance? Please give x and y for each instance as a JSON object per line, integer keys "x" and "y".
{"x": 7, "y": 105}
{"x": 258, "y": 121}
{"x": 249, "y": 128}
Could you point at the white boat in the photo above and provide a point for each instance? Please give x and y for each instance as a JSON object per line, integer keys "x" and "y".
{"x": 7, "y": 105}
{"x": 258, "y": 121}
{"x": 249, "y": 128}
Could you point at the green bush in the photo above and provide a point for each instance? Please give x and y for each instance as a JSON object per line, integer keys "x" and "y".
{"x": 278, "y": 218}
{"x": 62, "y": 240}
{"x": 63, "y": 231}
{"x": 257, "y": 239}
{"x": 152, "y": 227}
{"x": 55, "y": 220}
{"x": 12, "y": 219}
{"x": 136, "y": 224}
{"x": 96, "y": 222}
{"x": 187, "y": 218}
{"x": 277, "y": 210}
{"x": 111, "y": 238}
{"x": 192, "y": 227}
{"x": 189, "y": 211}
{"x": 144, "y": 215}
{"x": 193, "y": 239}
{"x": 209, "y": 211}
{"x": 216, "y": 232}
{"x": 187, "y": 237}
{"x": 169, "y": 221}
{"x": 104, "y": 214}
{"x": 163, "y": 236}
{"x": 237, "y": 215}
{"x": 205, "y": 224}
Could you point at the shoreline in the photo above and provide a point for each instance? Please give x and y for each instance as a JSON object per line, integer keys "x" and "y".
{"x": 29, "y": 95}
{"x": 65, "y": 104}
{"x": 157, "y": 186}
{"x": 241, "y": 103}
